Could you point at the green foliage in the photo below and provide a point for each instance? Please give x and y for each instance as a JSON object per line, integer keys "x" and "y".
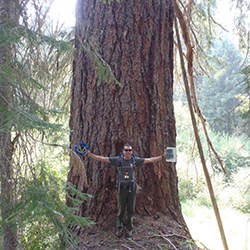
{"x": 185, "y": 136}
{"x": 244, "y": 109}
{"x": 190, "y": 188}
{"x": 234, "y": 152}
{"x": 234, "y": 194}
{"x": 220, "y": 94}
{"x": 237, "y": 194}
{"x": 241, "y": 21}
{"x": 42, "y": 214}
{"x": 102, "y": 68}
{"x": 39, "y": 63}
{"x": 201, "y": 222}
{"x": 38, "y": 77}
{"x": 246, "y": 73}
{"x": 193, "y": 189}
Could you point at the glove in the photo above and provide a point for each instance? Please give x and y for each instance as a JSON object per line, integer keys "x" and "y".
{"x": 81, "y": 149}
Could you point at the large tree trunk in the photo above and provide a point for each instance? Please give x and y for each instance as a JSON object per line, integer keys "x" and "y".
{"x": 8, "y": 16}
{"x": 134, "y": 37}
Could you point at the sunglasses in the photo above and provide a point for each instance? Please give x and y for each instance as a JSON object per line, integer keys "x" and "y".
{"x": 128, "y": 150}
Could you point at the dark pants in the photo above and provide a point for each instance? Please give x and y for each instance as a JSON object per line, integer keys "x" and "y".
{"x": 126, "y": 199}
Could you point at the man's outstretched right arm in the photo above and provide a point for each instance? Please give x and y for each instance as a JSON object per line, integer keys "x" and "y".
{"x": 98, "y": 157}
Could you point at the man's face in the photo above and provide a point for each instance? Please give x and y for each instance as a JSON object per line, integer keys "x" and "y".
{"x": 127, "y": 152}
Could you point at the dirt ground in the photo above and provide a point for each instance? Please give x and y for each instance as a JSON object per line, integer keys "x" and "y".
{"x": 149, "y": 233}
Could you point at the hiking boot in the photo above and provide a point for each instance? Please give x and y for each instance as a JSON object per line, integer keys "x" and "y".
{"x": 129, "y": 234}
{"x": 119, "y": 232}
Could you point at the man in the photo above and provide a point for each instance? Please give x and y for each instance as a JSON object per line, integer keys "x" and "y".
{"x": 126, "y": 183}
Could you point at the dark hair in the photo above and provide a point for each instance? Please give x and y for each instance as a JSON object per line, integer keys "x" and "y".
{"x": 127, "y": 145}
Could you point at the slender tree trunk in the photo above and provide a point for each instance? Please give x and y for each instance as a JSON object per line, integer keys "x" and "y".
{"x": 135, "y": 38}
{"x": 7, "y": 16}
{"x": 9, "y": 230}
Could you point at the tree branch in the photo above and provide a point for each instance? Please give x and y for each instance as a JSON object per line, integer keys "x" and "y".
{"x": 189, "y": 57}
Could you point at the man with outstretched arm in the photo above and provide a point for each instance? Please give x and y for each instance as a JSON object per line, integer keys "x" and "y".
{"x": 126, "y": 184}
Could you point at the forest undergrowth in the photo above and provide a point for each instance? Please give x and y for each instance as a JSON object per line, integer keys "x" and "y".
{"x": 233, "y": 201}
{"x": 202, "y": 224}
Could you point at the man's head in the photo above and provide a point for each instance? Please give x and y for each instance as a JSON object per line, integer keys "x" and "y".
{"x": 127, "y": 151}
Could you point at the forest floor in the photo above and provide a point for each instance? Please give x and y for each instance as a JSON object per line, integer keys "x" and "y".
{"x": 203, "y": 227}
{"x": 149, "y": 233}
{"x": 156, "y": 233}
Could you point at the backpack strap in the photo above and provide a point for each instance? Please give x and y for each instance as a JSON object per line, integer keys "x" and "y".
{"x": 121, "y": 160}
{"x": 129, "y": 183}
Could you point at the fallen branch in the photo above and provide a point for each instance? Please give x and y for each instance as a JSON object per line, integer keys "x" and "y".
{"x": 158, "y": 245}
{"x": 168, "y": 240}
{"x": 126, "y": 247}
{"x": 185, "y": 28}
{"x": 170, "y": 235}
{"x": 194, "y": 123}
{"x": 138, "y": 245}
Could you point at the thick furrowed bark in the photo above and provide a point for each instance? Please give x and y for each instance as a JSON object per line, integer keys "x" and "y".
{"x": 135, "y": 38}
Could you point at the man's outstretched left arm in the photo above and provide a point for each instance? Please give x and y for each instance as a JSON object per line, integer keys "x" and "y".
{"x": 155, "y": 158}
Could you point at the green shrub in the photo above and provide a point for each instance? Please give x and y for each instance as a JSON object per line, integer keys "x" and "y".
{"x": 189, "y": 189}
{"x": 42, "y": 216}
{"x": 240, "y": 193}
{"x": 231, "y": 189}
{"x": 189, "y": 185}
{"x": 203, "y": 198}
{"x": 234, "y": 151}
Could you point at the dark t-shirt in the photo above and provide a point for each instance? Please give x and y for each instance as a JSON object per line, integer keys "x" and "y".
{"x": 126, "y": 168}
